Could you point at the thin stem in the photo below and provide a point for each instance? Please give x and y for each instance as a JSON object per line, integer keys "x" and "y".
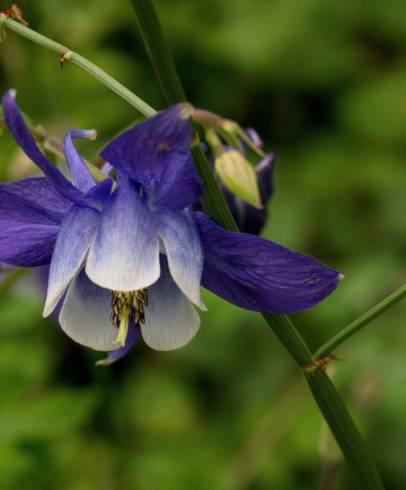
{"x": 79, "y": 60}
{"x": 360, "y": 322}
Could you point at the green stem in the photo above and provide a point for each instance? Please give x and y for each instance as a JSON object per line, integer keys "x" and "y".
{"x": 327, "y": 398}
{"x": 344, "y": 430}
{"x": 360, "y": 322}
{"x": 213, "y": 201}
{"x": 290, "y": 338}
{"x": 79, "y": 60}
{"x": 158, "y": 51}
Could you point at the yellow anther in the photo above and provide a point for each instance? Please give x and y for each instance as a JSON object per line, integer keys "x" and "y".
{"x": 124, "y": 307}
{"x": 123, "y": 327}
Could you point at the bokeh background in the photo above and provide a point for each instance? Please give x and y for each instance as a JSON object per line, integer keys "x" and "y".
{"x": 324, "y": 83}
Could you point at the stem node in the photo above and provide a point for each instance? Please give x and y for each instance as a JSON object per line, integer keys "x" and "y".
{"x": 320, "y": 363}
{"x": 67, "y": 55}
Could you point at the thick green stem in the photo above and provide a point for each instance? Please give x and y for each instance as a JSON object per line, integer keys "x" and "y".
{"x": 158, "y": 51}
{"x": 213, "y": 201}
{"x": 290, "y": 338}
{"x": 360, "y": 322}
{"x": 327, "y": 398}
{"x": 79, "y": 60}
{"x": 343, "y": 428}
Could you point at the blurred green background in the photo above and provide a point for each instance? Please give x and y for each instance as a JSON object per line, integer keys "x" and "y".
{"x": 325, "y": 85}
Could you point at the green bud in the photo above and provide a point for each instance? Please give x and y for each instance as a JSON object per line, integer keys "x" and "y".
{"x": 238, "y": 176}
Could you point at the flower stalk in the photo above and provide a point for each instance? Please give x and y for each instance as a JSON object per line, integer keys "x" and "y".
{"x": 77, "y": 59}
{"x": 360, "y": 322}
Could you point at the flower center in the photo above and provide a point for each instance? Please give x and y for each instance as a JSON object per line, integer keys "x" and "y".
{"x": 126, "y": 306}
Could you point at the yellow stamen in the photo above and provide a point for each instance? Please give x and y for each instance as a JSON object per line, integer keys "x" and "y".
{"x": 123, "y": 327}
{"x": 126, "y": 306}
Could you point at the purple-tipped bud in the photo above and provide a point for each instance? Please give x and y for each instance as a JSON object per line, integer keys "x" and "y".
{"x": 250, "y": 219}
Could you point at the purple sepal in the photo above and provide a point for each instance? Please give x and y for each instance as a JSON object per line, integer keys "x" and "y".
{"x": 260, "y": 275}
{"x": 87, "y": 192}
{"x": 156, "y": 154}
{"x": 27, "y": 244}
{"x": 34, "y": 199}
{"x": 31, "y": 211}
{"x": 178, "y": 190}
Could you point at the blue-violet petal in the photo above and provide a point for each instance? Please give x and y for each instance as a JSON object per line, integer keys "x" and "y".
{"x": 171, "y": 320}
{"x": 77, "y": 233}
{"x": 260, "y": 275}
{"x": 125, "y": 253}
{"x": 85, "y": 315}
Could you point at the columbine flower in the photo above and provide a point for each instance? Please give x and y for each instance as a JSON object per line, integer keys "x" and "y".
{"x": 134, "y": 258}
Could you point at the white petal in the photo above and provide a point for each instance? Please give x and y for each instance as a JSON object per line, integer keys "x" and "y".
{"x": 85, "y": 315}
{"x": 75, "y": 236}
{"x": 125, "y": 254}
{"x": 181, "y": 240}
{"x": 171, "y": 320}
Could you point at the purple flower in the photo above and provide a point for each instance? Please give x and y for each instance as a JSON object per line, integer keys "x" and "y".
{"x": 131, "y": 255}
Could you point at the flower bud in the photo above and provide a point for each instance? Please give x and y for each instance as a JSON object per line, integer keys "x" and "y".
{"x": 238, "y": 176}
